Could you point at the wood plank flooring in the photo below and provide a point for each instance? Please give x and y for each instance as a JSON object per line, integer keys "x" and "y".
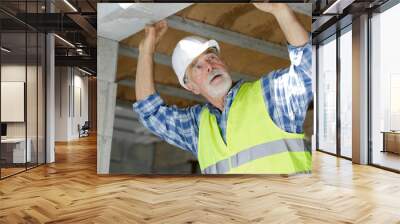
{"x": 70, "y": 191}
{"x": 387, "y": 159}
{"x": 10, "y": 171}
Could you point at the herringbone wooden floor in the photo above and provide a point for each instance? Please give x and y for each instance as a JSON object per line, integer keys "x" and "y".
{"x": 70, "y": 191}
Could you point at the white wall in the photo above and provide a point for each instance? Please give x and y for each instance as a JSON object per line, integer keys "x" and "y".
{"x": 61, "y": 103}
{"x": 70, "y": 83}
{"x": 79, "y": 117}
{"x": 16, "y": 73}
{"x": 13, "y": 73}
{"x": 12, "y": 101}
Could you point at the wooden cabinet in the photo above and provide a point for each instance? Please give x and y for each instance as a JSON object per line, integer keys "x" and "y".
{"x": 391, "y": 142}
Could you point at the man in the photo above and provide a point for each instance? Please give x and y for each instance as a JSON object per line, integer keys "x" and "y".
{"x": 248, "y": 127}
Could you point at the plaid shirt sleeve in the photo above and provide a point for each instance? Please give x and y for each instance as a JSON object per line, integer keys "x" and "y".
{"x": 288, "y": 91}
{"x": 177, "y": 126}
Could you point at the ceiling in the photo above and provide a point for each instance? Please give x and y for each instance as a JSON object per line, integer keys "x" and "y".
{"x": 248, "y": 26}
{"x": 80, "y": 27}
{"x": 17, "y": 42}
{"x": 76, "y": 24}
{"x": 332, "y": 15}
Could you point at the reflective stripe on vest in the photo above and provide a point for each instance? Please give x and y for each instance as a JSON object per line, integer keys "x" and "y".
{"x": 256, "y": 152}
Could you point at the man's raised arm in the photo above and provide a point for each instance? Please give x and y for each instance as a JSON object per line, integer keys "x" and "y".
{"x": 144, "y": 85}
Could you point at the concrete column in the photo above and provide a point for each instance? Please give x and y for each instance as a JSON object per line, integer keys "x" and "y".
{"x": 50, "y": 99}
{"x": 360, "y": 90}
{"x": 107, "y": 55}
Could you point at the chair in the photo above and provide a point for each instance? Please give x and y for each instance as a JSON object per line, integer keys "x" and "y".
{"x": 84, "y": 130}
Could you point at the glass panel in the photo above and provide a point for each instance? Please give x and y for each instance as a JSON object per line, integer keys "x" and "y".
{"x": 13, "y": 87}
{"x": 385, "y": 85}
{"x": 31, "y": 98}
{"x": 327, "y": 97}
{"x": 23, "y": 87}
{"x": 41, "y": 98}
{"x": 346, "y": 94}
{"x": 31, "y": 86}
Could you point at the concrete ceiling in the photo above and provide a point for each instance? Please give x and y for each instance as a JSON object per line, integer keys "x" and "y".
{"x": 241, "y": 30}
{"x": 117, "y": 21}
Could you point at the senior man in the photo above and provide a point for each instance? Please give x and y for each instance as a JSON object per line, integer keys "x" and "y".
{"x": 246, "y": 127}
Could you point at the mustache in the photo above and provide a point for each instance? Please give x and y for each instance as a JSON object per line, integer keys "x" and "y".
{"x": 214, "y": 73}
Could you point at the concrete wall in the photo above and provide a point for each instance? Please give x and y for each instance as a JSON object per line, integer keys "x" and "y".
{"x": 61, "y": 103}
{"x": 135, "y": 150}
{"x": 155, "y": 158}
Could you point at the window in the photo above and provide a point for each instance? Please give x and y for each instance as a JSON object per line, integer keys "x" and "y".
{"x": 327, "y": 96}
{"x": 385, "y": 89}
{"x": 346, "y": 92}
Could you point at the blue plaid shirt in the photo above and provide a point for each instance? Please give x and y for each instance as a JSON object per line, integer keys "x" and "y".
{"x": 287, "y": 93}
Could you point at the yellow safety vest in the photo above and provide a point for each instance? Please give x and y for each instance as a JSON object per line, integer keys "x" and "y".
{"x": 254, "y": 144}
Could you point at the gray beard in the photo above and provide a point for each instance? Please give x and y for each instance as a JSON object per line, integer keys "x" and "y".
{"x": 220, "y": 89}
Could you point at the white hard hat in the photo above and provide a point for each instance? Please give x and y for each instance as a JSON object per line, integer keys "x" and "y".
{"x": 188, "y": 49}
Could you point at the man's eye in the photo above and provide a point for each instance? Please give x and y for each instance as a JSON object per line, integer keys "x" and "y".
{"x": 199, "y": 66}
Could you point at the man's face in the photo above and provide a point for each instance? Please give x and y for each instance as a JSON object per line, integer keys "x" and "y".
{"x": 208, "y": 76}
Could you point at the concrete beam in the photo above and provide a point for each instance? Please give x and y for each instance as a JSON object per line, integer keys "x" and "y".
{"x": 168, "y": 90}
{"x": 119, "y": 21}
{"x": 219, "y": 34}
{"x": 302, "y": 8}
{"x": 166, "y": 60}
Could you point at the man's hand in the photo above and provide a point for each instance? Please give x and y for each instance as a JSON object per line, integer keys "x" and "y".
{"x": 153, "y": 34}
{"x": 294, "y": 32}
{"x": 270, "y": 7}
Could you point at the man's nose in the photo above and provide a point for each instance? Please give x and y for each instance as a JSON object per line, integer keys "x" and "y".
{"x": 209, "y": 67}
